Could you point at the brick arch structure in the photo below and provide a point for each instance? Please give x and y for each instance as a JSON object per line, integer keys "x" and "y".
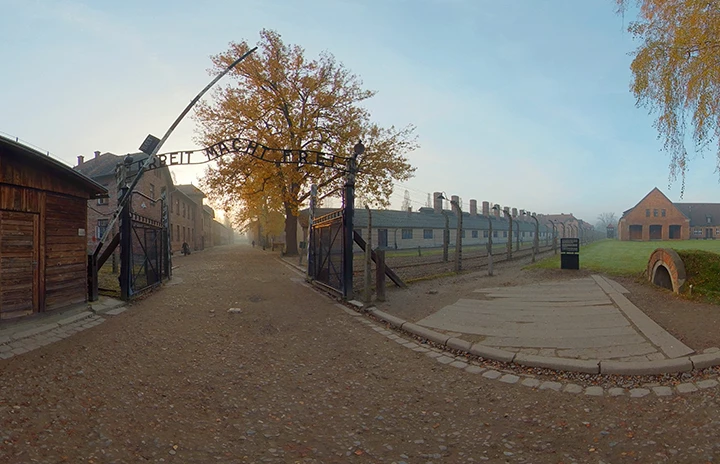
{"x": 666, "y": 269}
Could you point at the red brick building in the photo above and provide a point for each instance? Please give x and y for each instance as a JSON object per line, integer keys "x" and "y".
{"x": 655, "y": 217}
{"x": 184, "y": 215}
{"x": 192, "y": 198}
{"x": 101, "y": 169}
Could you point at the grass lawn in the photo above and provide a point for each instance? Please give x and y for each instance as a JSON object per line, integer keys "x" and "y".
{"x": 625, "y": 258}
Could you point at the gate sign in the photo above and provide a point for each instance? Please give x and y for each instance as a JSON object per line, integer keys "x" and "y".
{"x": 248, "y": 147}
{"x": 569, "y": 245}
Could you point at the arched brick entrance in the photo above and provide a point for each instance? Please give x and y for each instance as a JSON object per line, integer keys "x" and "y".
{"x": 666, "y": 269}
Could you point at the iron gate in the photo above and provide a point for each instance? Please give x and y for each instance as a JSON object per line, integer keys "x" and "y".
{"x": 146, "y": 259}
{"x": 325, "y": 264}
{"x": 143, "y": 247}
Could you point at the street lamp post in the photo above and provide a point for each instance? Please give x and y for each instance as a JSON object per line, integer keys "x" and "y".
{"x": 458, "y": 239}
{"x": 536, "y": 239}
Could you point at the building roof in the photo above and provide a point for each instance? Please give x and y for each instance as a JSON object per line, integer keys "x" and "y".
{"x": 22, "y": 151}
{"x": 190, "y": 190}
{"x": 101, "y": 166}
{"x": 209, "y": 210}
{"x": 643, "y": 199}
{"x": 698, "y": 213}
{"x": 425, "y": 218}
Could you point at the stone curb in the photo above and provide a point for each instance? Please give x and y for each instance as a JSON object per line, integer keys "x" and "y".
{"x": 710, "y": 358}
{"x": 558, "y": 364}
{"x": 664, "y": 366}
{"x": 701, "y": 361}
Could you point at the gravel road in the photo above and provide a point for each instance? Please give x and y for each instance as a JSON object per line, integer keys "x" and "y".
{"x": 292, "y": 378}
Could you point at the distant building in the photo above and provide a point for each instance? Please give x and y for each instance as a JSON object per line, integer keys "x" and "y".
{"x": 655, "y": 217}
{"x": 610, "y": 231}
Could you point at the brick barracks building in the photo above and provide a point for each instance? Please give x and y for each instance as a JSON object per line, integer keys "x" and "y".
{"x": 190, "y": 220}
{"x": 655, "y": 217}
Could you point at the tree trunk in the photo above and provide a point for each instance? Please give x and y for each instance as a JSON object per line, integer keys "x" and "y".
{"x": 291, "y": 222}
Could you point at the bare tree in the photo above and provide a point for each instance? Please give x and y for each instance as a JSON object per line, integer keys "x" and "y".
{"x": 604, "y": 219}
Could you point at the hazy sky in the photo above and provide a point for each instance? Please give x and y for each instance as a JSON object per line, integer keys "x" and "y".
{"x": 520, "y": 102}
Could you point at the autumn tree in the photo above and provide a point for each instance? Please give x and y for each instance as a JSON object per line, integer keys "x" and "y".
{"x": 676, "y": 73}
{"x": 281, "y": 99}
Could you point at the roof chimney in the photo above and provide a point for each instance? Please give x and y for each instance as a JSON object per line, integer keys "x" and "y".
{"x": 97, "y": 153}
{"x": 437, "y": 203}
{"x": 473, "y": 207}
{"x": 486, "y": 208}
{"x": 81, "y": 160}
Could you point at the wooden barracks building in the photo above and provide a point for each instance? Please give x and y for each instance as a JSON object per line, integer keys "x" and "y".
{"x": 43, "y": 217}
{"x": 655, "y": 217}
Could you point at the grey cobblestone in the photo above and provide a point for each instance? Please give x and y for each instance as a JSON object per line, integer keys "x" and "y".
{"x": 445, "y": 359}
{"x": 491, "y": 375}
{"x": 472, "y": 369}
{"x": 686, "y": 388}
{"x": 617, "y": 391}
{"x": 709, "y": 383}
{"x": 459, "y": 364}
{"x": 662, "y": 391}
{"x": 639, "y": 392}
{"x": 433, "y": 354}
{"x": 529, "y": 382}
{"x": 548, "y": 385}
{"x": 573, "y": 388}
{"x": 594, "y": 391}
{"x": 509, "y": 378}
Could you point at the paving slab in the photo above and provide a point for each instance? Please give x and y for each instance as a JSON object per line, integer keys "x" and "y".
{"x": 582, "y": 321}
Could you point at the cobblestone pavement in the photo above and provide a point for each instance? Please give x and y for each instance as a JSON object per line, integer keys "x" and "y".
{"x": 288, "y": 376}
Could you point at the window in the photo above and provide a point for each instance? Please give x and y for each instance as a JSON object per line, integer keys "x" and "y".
{"x": 485, "y": 234}
{"x": 662, "y": 213}
{"x": 177, "y": 206}
{"x": 102, "y": 225}
{"x": 427, "y": 233}
{"x": 505, "y": 233}
{"x": 647, "y": 213}
{"x": 709, "y": 219}
{"x": 655, "y": 213}
{"x": 183, "y": 234}
{"x": 495, "y": 234}
{"x": 697, "y": 232}
{"x": 183, "y": 209}
{"x": 407, "y": 234}
{"x": 474, "y": 234}
{"x": 152, "y": 191}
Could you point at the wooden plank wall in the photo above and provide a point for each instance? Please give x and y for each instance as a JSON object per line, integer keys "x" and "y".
{"x": 18, "y": 173}
{"x": 65, "y": 251}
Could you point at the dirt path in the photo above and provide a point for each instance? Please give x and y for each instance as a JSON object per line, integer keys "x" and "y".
{"x": 292, "y": 378}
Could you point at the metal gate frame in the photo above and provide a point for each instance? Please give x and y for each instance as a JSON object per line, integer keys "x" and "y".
{"x": 327, "y": 243}
{"x": 144, "y": 250}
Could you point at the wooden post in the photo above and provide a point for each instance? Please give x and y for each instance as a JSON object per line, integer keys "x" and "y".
{"x": 368, "y": 258}
{"x": 92, "y": 277}
{"x": 380, "y": 275}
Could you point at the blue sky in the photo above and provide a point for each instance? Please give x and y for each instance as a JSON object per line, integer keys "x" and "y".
{"x": 523, "y": 103}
